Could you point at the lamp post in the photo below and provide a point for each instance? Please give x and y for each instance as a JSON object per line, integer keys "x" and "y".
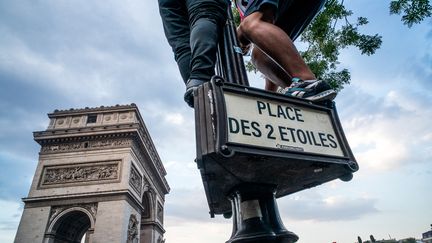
{"x": 254, "y": 146}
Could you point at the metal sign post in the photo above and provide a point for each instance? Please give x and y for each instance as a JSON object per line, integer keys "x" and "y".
{"x": 230, "y": 63}
{"x": 254, "y": 146}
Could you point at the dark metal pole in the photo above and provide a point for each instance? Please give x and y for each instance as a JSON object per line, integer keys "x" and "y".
{"x": 230, "y": 63}
{"x": 256, "y": 217}
{"x": 254, "y": 209}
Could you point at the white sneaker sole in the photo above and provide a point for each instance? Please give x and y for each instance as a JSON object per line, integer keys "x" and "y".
{"x": 325, "y": 95}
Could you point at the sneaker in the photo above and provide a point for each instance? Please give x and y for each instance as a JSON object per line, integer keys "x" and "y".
{"x": 242, "y": 7}
{"x": 313, "y": 90}
{"x": 191, "y": 85}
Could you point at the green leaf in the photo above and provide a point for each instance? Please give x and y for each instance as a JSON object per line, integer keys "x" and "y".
{"x": 326, "y": 36}
{"x": 412, "y": 11}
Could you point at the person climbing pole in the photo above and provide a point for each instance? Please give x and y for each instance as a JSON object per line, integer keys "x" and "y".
{"x": 268, "y": 28}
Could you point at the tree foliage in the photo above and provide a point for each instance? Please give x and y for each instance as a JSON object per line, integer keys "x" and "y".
{"x": 334, "y": 29}
{"x": 409, "y": 240}
{"x": 412, "y": 11}
{"x": 329, "y": 33}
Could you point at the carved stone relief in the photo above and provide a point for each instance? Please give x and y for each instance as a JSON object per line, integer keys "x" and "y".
{"x": 78, "y": 121}
{"x": 146, "y": 185}
{"x": 98, "y": 144}
{"x": 110, "y": 118}
{"x": 152, "y": 151}
{"x": 160, "y": 213}
{"x": 160, "y": 240}
{"x": 132, "y": 229}
{"x": 56, "y": 210}
{"x": 62, "y": 122}
{"x": 153, "y": 156}
{"x": 135, "y": 180}
{"x": 147, "y": 204}
{"x": 107, "y": 117}
{"x": 81, "y": 173}
{"x": 126, "y": 117}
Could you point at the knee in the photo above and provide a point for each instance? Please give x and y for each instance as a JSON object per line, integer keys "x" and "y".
{"x": 249, "y": 26}
{"x": 205, "y": 32}
{"x": 204, "y": 26}
{"x": 215, "y": 11}
{"x": 252, "y": 24}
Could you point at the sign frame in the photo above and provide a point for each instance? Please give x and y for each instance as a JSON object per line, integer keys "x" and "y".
{"x": 221, "y": 161}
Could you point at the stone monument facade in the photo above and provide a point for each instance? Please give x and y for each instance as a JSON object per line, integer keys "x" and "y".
{"x": 99, "y": 179}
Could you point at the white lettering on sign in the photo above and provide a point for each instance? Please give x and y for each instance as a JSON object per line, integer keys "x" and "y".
{"x": 265, "y": 123}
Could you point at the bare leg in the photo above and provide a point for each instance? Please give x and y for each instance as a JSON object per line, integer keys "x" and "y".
{"x": 270, "y": 86}
{"x": 259, "y": 29}
{"x": 271, "y": 70}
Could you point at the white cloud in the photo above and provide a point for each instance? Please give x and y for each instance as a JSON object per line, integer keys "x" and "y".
{"x": 312, "y": 205}
{"x": 185, "y": 232}
{"x": 175, "y": 119}
{"x": 91, "y": 59}
{"x": 187, "y": 205}
{"x": 10, "y": 214}
{"x": 387, "y": 137}
{"x": 427, "y": 137}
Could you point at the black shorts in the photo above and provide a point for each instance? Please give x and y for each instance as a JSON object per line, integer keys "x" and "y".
{"x": 293, "y": 16}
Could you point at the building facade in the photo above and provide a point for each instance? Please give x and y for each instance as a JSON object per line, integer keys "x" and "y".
{"x": 99, "y": 179}
{"x": 427, "y": 236}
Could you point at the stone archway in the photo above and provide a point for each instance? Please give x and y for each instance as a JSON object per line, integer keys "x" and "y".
{"x": 147, "y": 202}
{"x": 71, "y": 226}
{"x": 108, "y": 160}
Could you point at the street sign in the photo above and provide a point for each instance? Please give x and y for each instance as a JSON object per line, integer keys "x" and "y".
{"x": 247, "y": 135}
{"x": 279, "y": 125}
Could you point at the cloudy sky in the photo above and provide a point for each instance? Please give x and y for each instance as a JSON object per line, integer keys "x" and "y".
{"x": 58, "y": 54}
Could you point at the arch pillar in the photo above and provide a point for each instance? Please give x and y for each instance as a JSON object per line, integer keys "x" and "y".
{"x": 70, "y": 224}
{"x": 93, "y": 163}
